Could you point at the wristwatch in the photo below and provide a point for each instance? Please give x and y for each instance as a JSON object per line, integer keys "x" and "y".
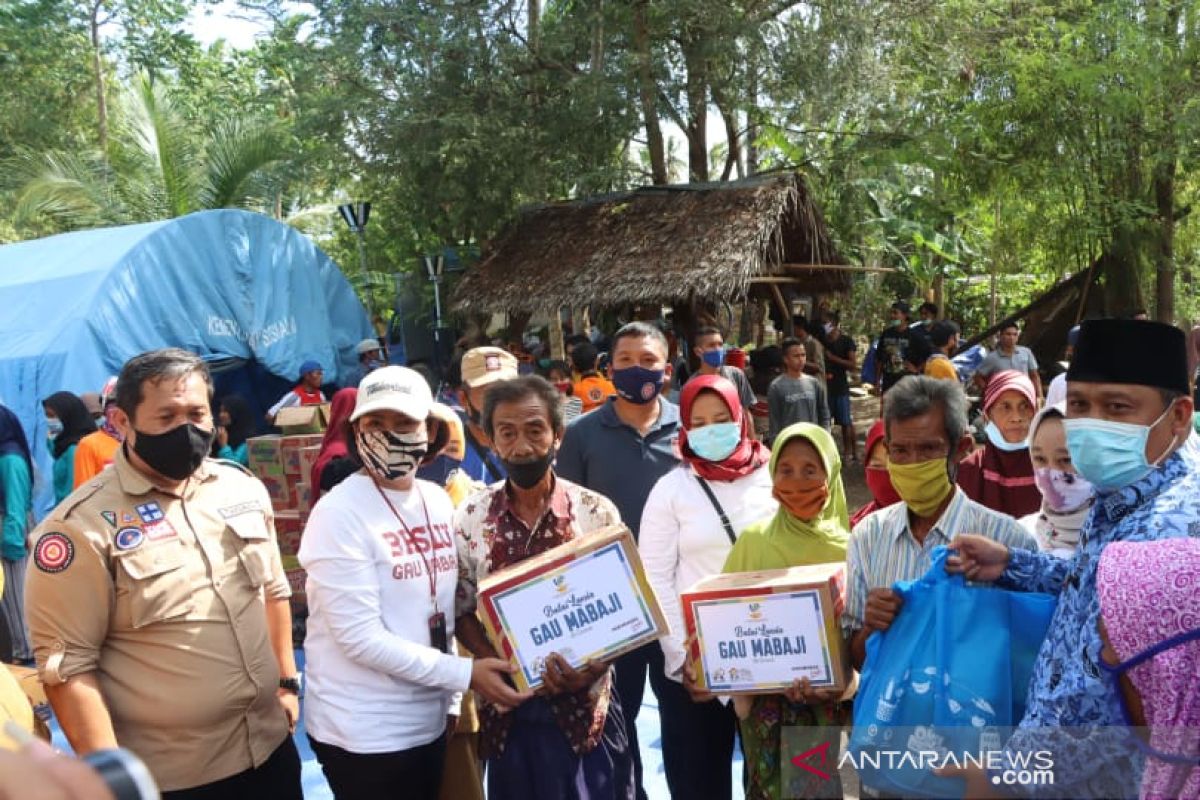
{"x": 292, "y": 684}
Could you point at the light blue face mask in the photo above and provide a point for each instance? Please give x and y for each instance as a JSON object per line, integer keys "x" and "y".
{"x": 715, "y": 442}
{"x": 53, "y": 427}
{"x": 1000, "y": 443}
{"x": 714, "y": 358}
{"x": 1111, "y": 455}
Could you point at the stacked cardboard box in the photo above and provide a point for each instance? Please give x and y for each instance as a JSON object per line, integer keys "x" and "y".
{"x": 284, "y": 464}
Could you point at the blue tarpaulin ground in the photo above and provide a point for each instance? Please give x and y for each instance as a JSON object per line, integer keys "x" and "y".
{"x": 251, "y": 295}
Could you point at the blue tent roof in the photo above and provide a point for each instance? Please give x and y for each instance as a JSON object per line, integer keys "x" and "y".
{"x": 224, "y": 284}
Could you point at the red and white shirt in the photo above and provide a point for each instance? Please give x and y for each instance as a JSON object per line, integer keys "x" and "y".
{"x": 374, "y": 683}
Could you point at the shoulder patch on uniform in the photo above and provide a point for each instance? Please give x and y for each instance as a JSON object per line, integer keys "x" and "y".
{"x": 225, "y": 462}
{"x": 128, "y": 538}
{"x": 110, "y": 517}
{"x": 53, "y": 552}
{"x": 239, "y": 509}
{"x": 76, "y": 499}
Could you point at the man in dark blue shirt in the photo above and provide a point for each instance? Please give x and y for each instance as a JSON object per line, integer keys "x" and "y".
{"x": 621, "y": 450}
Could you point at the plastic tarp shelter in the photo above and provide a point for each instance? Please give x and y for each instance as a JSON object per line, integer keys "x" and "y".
{"x": 254, "y": 297}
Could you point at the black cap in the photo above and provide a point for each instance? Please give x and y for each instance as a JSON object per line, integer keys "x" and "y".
{"x": 1131, "y": 351}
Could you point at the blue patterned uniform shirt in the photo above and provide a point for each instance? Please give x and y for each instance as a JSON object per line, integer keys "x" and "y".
{"x": 1073, "y": 709}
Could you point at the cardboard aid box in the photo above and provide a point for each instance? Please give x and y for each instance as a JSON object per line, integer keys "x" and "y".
{"x": 302, "y": 497}
{"x": 586, "y": 600}
{"x": 303, "y": 419}
{"x": 265, "y": 455}
{"x": 292, "y": 449}
{"x": 289, "y": 525}
{"x": 757, "y": 632}
{"x": 295, "y": 578}
{"x": 308, "y": 459}
{"x": 278, "y": 490}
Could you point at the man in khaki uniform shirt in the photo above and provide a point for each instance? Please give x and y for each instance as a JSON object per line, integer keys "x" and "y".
{"x": 159, "y": 606}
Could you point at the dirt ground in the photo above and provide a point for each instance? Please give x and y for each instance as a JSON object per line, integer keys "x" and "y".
{"x": 864, "y": 411}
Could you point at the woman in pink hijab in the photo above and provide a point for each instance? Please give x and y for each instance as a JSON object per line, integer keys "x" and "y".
{"x": 1150, "y": 626}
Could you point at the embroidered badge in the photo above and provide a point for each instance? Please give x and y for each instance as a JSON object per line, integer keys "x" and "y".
{"x": 128, "y": 519}
{"x": 110, "y": 517}
{"x": 157, "y": 531}
{"x": 129, "y": 538}
{"x": 150, "y": 512}
{"x": 54, "y": 552}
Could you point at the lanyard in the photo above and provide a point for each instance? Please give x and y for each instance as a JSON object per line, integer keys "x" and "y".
{"x": 430, "y": 567}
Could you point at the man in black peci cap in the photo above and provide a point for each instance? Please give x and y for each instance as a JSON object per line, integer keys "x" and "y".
{"x": 1128, "y": 424}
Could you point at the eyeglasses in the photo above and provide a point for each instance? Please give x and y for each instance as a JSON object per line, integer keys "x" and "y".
{"x": 1115, "y": 671}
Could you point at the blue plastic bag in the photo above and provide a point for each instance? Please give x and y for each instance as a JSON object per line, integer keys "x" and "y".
{"x": 949, "y": 675}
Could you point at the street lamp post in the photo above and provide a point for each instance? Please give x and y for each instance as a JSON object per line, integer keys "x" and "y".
{"x": 435, "y": 267}
{"x": 356, "y": 215}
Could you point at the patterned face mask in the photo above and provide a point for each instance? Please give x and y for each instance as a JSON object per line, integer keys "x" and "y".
{"x": 392, "y": 456}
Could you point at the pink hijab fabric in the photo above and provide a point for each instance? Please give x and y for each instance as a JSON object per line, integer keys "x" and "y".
{"x": 1150, "y": 592}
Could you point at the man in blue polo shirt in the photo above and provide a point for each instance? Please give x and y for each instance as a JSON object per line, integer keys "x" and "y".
{"x": 621, "y": 450}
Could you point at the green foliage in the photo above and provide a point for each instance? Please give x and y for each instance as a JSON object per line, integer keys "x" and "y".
{"x": 951, "y": 141}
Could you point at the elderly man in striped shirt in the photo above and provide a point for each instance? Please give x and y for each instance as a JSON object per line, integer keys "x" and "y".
{"x": 926, "y": 432}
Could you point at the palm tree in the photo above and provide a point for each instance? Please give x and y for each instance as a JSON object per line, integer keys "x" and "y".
{"x": 155, "y": 167}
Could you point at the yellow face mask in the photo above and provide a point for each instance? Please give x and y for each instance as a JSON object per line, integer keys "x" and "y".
{"x": 922, "y": 486}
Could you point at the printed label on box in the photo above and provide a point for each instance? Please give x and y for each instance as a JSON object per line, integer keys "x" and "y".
{"x": 587, "y": 609}
{"x": 763, "y": 642}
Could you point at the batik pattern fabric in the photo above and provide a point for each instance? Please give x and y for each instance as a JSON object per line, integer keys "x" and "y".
{"x": 490, "y": 537}
{"x": 1073, "y": 709}
{"x": 763, "y": 732}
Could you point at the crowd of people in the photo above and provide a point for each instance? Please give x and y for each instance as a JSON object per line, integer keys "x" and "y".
{"x": 157, "y": 608}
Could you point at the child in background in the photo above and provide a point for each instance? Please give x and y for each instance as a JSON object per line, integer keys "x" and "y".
{"x": 559, "y": 374}
{"x": 883, "y": 494}
{"x": 1067, "y": 497}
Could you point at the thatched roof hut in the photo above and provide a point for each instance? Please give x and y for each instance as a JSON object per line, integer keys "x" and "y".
{"x": 660, "y": 244}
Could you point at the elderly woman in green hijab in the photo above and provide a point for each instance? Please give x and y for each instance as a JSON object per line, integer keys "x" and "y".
{"x": 810, "y": 527}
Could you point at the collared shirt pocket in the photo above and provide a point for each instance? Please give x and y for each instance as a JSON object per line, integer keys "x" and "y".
{"x": 156, "y": 582}
{"x": 254, "y": 546}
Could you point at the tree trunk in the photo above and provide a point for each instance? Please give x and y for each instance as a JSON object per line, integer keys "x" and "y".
{"x": 697, "y": 111}
{"x": 98, "y": 76}
{"x": 752, "y": 112}
{"x": 733, "y": 156}
{"x": 1164, "y": 253}
{"x": 535, "y": 15}
{"x": 1164, "y": 180}
{"x": 648, "y": 93}
{"x": 597, "y": 55}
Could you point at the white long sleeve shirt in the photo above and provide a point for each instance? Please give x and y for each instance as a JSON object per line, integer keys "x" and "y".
{"x": 682, "y": 539}
{"x": 374, "y": 683}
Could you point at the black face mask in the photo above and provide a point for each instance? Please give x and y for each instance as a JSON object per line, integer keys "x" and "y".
{"x": 526, "y": 474}
{"x": 175, "y": 454}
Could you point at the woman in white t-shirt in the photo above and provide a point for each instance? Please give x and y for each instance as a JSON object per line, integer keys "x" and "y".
{"x": 690, "y": 521}
{"x": 382, "y": 570}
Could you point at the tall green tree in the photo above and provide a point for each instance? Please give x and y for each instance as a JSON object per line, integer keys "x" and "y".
{"x": 156, "y": 166}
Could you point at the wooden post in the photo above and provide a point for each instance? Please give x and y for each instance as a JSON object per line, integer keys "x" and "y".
{"x": 558, "y": 349}
{"x": 777, "y": 295}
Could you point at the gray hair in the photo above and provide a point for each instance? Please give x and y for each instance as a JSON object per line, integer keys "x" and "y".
{"x": 515, "y": 390}
{"x": 916, "y": 395}
{"x": 154, "y": 366}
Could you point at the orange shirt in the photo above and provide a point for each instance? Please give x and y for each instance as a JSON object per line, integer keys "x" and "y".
{"x": 592, "y": 391}
{"x": 93, "y": 453}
